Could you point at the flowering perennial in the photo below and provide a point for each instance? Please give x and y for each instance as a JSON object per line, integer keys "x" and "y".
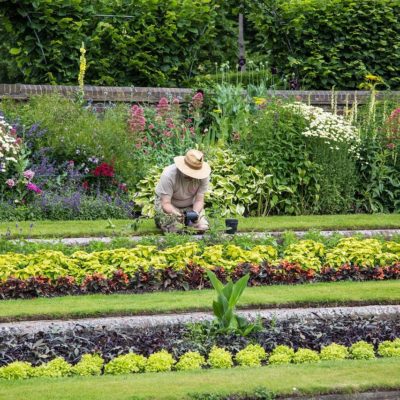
{"x": 9, "y": 145}
{"x": 333, "y": 129}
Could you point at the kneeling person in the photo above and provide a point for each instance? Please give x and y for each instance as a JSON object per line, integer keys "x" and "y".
{"x": 181, "y": 188}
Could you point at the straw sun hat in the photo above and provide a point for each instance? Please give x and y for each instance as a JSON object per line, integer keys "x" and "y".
{"x": 193, "y": 164}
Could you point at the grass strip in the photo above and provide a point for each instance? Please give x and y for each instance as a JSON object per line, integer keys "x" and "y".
{"x": 311, "y": 379}
{"x": 254, "y": 224}
{"x": 313, "y": 295}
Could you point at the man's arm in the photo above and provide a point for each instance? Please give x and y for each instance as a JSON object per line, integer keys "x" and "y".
{"x": 167, "y": 206}
{"x": 198, "y": 204}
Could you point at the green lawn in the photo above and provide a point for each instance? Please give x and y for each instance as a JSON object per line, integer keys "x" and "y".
{"x": 330, "y": 294}
{"x": 325, "y": 377}
{"x": 123, "y": 227}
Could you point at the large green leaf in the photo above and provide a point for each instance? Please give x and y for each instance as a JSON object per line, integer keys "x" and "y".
{"x": 217, "y": 284}
{"x": 238, "y": 289}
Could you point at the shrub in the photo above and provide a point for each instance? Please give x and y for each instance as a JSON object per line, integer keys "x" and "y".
{"x": 389, "y": 348}
{"x": 125, "y": 364}
{"x": 362, "y": 350}
{"x": 53, "y": 369}
{"x": 305, "y": 356}
{"x": 90, "y": 364}
{"x": 279, "y": 359}
{"x": 159, "y": 362}
{"x": 219, "y": 358}
{"x": 251, "y": 356}
{"x": 16, "y": 370}
{"x": 190, "y": 361}
{"x": 334, "y": 352}
{"x": 316, "y": 40}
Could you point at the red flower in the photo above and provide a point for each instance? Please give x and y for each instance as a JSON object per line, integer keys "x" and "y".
{"x": 104, "y": 169}
{"x": 85, "y": 185}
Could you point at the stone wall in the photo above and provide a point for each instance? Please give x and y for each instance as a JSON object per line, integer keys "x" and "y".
{"x": 152, "y": 95}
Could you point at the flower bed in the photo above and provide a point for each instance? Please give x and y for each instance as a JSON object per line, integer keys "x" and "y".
{"x": 146, "y": 268}
{"x": 253, "y": 355}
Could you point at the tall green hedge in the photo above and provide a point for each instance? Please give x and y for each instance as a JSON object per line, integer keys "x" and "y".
{"x": 330, "y": 42}
{"x": 145, "y": 42}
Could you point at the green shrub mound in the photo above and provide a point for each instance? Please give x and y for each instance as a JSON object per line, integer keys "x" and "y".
{"x": 251, "y": 356}
{"x": 334, "y": 352}
{"x": 305, "y": 356}
{"x": 90, "y": 364}
{"x": 16, "y": 370}
{"x": 362, "y": 351}
{"x": 125, "y": 364}
{"x": 389, "y": 348}
{"x": 192, "y": 360}
{"x": 53, "y": 369}
{"x": 161, "y": 361}
{"x": 219, "y": 358}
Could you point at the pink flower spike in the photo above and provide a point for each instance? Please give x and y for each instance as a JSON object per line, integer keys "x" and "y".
{"x": 33, "y": 188}
{"x": 10, "y": 183}
{"x": 28, "y": 174}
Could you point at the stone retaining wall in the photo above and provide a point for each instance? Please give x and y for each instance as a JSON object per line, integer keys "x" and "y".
{"x": 152, "y": 95}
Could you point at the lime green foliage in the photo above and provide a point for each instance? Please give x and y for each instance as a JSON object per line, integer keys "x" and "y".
{"x": 305, "y": 356}
{"x": 190, "y": 361}
{"x": 16, "y": 370}
{"x": 302, "y": 33}
{"x": 90, "y": 364}
{"x": 125, "y": 364}
{"x": 334, "y": 352}
{"x": 307, "y": 253}
{"x": 53, "y": 369}
{"x": 219, "y": 358}
{"x": 279, "y": 359}
{"x": 362, "y": 351}
{"x": 159, "y": 362}
{"x": 389, "y": 348}
{"x": 251, "y": 356}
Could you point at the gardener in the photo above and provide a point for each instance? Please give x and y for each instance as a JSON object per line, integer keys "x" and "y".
{"x": 181, "y": 188}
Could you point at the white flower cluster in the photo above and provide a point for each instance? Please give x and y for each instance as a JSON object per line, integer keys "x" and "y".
{"x": 9, "y": 145}
{"x": 333, "y": 129}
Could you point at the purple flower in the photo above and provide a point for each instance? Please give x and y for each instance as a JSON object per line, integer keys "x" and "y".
{"x": 29, "y": 174}
{"x": 10, "y": 183}
{"x": 33, "y": 188}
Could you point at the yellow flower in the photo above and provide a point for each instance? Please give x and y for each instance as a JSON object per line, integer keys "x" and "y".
{"x": 217, "y": 111}
{"x": 259, "y": 101}
{"x": 82, "y": 67}
{"x": 373, "y": 78}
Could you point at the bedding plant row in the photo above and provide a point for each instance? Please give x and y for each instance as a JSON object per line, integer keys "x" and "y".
{"x": 147, "y": 268}
{"x": 252, "y": 355}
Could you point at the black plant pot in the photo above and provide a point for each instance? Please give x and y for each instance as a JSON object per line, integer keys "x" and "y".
{"x": 231, "y": 226}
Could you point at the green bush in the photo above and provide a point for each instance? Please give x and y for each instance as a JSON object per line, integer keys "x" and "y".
{"x": 334, "y": 352}
{"x": 389, "y": 348}
{"x": 161, "y": 43}
{"x": 159, "y": 362}
{"x": 305, "y": 356}
{"x": 329, "y": 43}
{"x": 53, "y": 369}
{"x": 90, "y": 364}
{"x": 219, "y": 358}
{"x": 251, "y": 356}
{"x": 191, "y": 360}
{"x": 362, "y": 351}
{"x": 16, "y": 370}
{"x": 125, "y": 364}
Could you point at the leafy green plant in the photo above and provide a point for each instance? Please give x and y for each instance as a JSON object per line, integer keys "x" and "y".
{"x": 389, "y": 348}
{"x": 125, "y": 364}
{"x": 251, "y": 356}
{"x": 224, "y": 307}
{"x": 305, "y": 356}
{"x": 16, "y": 370}
{"x": 192, "y": 360}
{"x": 55, "y": 368}
{"x": 334, "y": 352}
{"x": 219, "y": 358}
{"x": 362, "y": 350}
{"x": 281, "y": 355}
{"x": 90, "y": 364}
{"x": 159, "y": 362}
